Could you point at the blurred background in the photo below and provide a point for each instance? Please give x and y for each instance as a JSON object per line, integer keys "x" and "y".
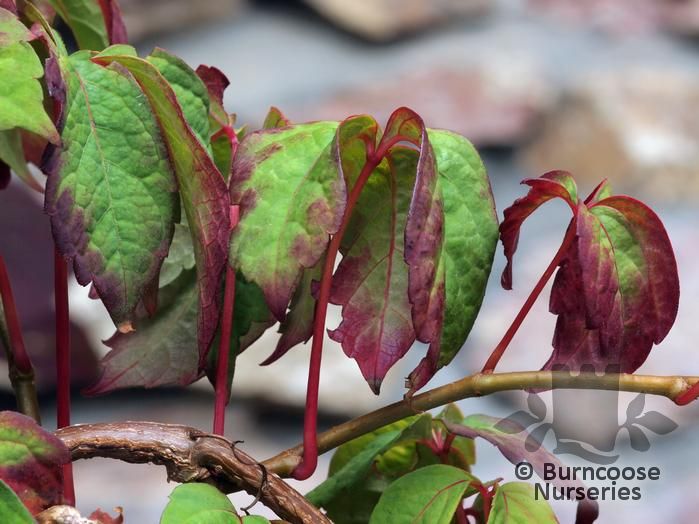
{"x": 602, "y": 88}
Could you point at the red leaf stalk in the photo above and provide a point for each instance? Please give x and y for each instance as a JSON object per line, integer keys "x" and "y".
{"x": 309, "y": 461}
{"x": 63, "y": 362}
{"x": 222, "y": 392}
{"x": 499, "y": 350}
{"x": 18, "y": 349}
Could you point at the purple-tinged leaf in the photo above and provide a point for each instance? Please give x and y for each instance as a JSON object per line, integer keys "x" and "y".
{"x": 95, "y": 24}
{"x": 31, "y": 461}
{"x": 448, "y": 278}
{"x": 371, "y": 282}
{"x": 9, "y": 5}
{"x": 297, "y": 327}
{"x": 616, "y": 292}
{"x": 112, "y": 210}
{"x": 511, "y": 440}
{"x": 116, "y": 30}
{"x": 275, "y": 119}
{"x": 551, "y": 185}
{"x": 224, "y": 139}
{"x": 291, "y": 197}
{"x": 202, "y": 188}
{"x": 215, "y": 82}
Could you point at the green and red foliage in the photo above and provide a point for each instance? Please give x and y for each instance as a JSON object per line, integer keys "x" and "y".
{"x": 198, "y": 237}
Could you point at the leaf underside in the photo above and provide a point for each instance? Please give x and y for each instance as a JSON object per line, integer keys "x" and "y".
{"x": 616, "y": 292}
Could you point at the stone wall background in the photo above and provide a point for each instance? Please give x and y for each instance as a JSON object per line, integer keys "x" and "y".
{"x": 602, "y": 88}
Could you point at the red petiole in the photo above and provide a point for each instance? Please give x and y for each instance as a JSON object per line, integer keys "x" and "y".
{"x": 499, "y": 350}
{"x": 63, "y": 362}
{"x": 309, "y": 461}
{"x": 222, "y": 393}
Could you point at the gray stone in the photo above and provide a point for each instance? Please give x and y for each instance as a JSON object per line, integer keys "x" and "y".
{"x": 383, "y": 20}
{"x": 637, "y": 127}
{"x": 144, "y": 19}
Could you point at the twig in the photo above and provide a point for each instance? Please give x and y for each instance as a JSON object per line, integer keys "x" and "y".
{"x": 478, "y": 385}
{"x": 11, "y": 339}
{"x": 190, "y": 455}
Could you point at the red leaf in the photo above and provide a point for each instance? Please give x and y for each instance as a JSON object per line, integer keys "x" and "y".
{"x": 616, "y": 292}
{"x": 31, "y": 461}
{"x": 116, "y": 30}
{"x": 214, "y": 80}
{"x": 105, "y": 518}
{"x": 551, "y": 185}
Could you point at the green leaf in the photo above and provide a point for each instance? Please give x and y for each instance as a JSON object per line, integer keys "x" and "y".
{"x": 297, "y": 327}
{"x": 291, "y": 197}
{"x": 463, "y": 449}
{"x": 95, "y": 24}
{"x": 190, "y": 91}
{"x": 111, "y": 194}
{"x": 353, "y": 460}
{"x": 21, "y": 95}
{"x": 202, "y": 189}
{"x": 180, "y": 258}
{"x": 162, "y": 349}
{"x": 254, "y": 519}
{"x": 357, "y": 467}
{"x": 12, "y": 511}
{"x": 515, "y": 503}
{"x": 428, "y": 495}
{"x": 31, "y": 461}
{"x": 199, "y": 504}
{"x": 371, "y": 281}
{"x": 463, "y": 261}
{"x": 12, "y": 154}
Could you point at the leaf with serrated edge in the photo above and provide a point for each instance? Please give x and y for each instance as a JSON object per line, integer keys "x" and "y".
{"x": 555, "y": 184}
{"x": 371, "y": 282}
{"x": 190, "y": 91}
{"x": 515, "y": 503}
{"x": 616, "y": 292}
{"x": 111, "y": 194}
{"x": 297, "y": 327}
{"x": 12, "y": 511}
{"x": 162, "y": 350}
{"x": 291, "y": 197}
{"x": 202, "y": 188}
{"x": 31, "y": 461}
{"x": 21, "y": 95}
{"x": 445, "y": 307}
{"x": 198, "y": 503}
{"x": 429, "y": 495}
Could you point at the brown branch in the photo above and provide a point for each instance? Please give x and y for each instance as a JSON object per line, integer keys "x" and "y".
{"x": 474, "y": 386}
{"x": 190, "y": 455}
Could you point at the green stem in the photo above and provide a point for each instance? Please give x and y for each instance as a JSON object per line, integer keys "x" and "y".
{"x": 478, "y": 385}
